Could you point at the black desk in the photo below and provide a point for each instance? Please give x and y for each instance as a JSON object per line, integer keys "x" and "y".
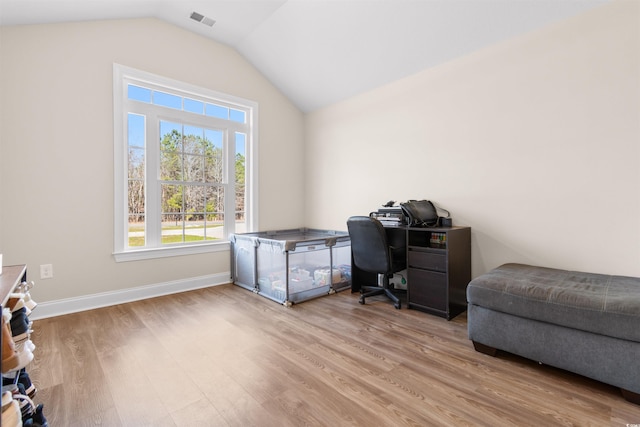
{"x": 438, "y": 268}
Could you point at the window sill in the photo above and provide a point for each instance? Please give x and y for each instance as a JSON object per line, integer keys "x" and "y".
{"x": 142, "y": 254}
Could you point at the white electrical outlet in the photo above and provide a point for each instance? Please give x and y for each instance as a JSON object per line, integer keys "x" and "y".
{"x": 46, "y": 271}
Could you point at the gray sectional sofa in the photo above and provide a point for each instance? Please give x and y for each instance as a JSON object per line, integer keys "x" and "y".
{"x": 582, "y": 322}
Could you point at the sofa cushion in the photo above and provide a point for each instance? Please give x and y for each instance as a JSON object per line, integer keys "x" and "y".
{"x": 598, "y": 303}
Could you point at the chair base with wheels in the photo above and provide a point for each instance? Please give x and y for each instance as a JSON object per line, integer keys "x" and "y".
{"x": 372, "y": 291}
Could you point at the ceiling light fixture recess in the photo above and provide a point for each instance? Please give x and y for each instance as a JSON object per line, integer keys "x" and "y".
{"x": 202, "y": 19}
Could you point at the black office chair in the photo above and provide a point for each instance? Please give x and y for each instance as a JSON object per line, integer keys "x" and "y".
{"x": 372, "y": 253}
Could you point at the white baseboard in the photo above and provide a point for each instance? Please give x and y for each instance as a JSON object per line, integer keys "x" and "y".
{"x": 105, "y": 299}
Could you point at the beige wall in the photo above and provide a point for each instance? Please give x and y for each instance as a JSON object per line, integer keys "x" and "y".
{"x": 56, "y": 147}
{"x": 534, "y": 143}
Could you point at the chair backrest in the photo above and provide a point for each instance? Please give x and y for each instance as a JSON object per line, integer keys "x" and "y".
{"x": 369, "y": 244}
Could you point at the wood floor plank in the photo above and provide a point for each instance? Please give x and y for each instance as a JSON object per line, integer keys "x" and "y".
{"x": 223, "y": 356}
{"x": 199, "y": 413}
{"x": 83, "y": 377}
{"x": 107, "y": 418}
{"x": 45, "y": 370}
{"x": 135, "y": 398}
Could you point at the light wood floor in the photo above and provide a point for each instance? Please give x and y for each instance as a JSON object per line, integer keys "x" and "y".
{"x": 224, "y": 356}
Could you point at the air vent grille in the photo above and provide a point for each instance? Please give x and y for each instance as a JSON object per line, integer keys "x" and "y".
{"x": 202, "y": 19}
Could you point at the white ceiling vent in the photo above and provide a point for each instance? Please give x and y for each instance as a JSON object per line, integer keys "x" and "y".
{"x": 202, "y": 19}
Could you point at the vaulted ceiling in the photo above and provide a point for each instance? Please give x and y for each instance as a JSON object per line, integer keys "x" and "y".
{"x": 318, "y": 52}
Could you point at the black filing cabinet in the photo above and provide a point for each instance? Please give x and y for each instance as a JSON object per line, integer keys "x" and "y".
{"x": 439, "y": 269}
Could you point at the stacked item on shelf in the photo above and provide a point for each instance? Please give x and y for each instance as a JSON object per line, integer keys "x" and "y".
{"x": 17, "y": 352}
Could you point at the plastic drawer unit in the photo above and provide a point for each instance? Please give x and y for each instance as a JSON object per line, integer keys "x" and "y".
{"x": 290, "y": 266}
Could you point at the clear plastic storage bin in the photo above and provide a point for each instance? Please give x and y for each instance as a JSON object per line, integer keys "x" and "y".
{"x": 290, "y": 266}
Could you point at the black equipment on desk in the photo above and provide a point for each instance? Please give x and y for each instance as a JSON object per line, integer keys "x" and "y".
{"x": 389, "y": 215}
{"x": 420, "y": 213}
{"x": 414, "y": 213}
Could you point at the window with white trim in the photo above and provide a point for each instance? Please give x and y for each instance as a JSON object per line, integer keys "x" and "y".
{"x": 184, "y": 164}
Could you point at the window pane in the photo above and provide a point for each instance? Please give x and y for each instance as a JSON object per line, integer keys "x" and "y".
{"x": 215, "y": 210}
{"x": 213, "y": 169}
{"x": 194, "y": 231}
{"x": 172, "y": 214}
{"x": 138, "y": 93}
{"x": 170, "y": 136}
{"x": 136, "y": 208}
{"x": 218, "y": 111}
{"x": 215, "y": 227}
{"x": 194, "y": 202}
{"x": 136, "y": 166}
{"x": 214, "y": 166}
{"x": 167, "y": 100}
{"x": 237, "y": 115}
{"x": 214, "y": 230}
{"x": 170, "y": 166}
{"x": 240, "y": 176}
{"x": 213, "y": 214}
{"x": 136, "y": 201}
{"x": 193, "y": 168}
{"x": 193, "y": 106}
{"x": 214, "y": 137}
{"x": 172, "y": 228}
{"x": 241, "y": 143}
{"x": 193, "y": 141}
{"x": 215, "y": 204}
{"x": 210, "y": 200}
{"x": 136, "y": 231}
{"x": 171, "y": 199}
{"x": 135, "y": 130}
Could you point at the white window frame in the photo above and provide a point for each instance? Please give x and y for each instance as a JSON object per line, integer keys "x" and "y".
{"x": 122, "y": 76}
